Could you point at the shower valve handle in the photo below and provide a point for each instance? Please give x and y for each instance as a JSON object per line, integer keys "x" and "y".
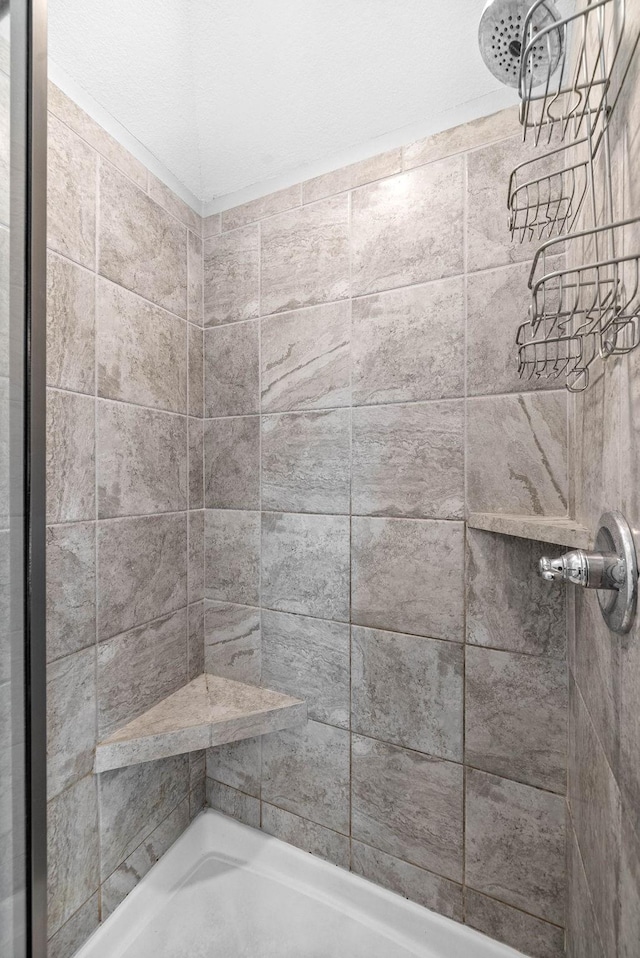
{"x": 592, "y": 570}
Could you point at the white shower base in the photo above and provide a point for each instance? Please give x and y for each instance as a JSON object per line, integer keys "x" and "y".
{"x": 228, "y": 891}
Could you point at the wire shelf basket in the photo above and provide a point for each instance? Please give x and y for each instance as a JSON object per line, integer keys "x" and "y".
{"x": 566, "y": 69}
{"x": 545, "y": 200}
{"x": 583, "y": 312}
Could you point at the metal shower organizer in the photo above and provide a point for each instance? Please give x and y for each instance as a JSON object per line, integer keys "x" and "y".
{"x": 586, "y": 306}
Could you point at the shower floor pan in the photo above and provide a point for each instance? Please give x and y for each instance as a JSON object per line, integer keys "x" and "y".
{"x": 224, "y": 890}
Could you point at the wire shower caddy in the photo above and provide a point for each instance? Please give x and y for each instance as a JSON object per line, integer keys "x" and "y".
{"x": 571, "y": 75}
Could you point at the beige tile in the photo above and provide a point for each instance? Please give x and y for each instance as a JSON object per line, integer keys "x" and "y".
{"x": 172, "y": 203}
{"x": 408, "y": 690}
{"x": 255, "y": 210}
{"x": 408, "y": 576}
{"x": 71, "y": 195}
{"x": 232, "y": 556}
{"x": 408, "y": 460}
{"x": 70, "y": 326}
{"x": 70, "y": 457}
{"x": 305, "y": 256}
{"x": 232, "y": 370}
{"x": 408, "y": 344}
{"x": 93, "y": 134}
{"x": 212, "y": 225}
{"x": 232, "y": 463}
{"x": 304, "y": 359}
{"x": 530, "y": 477}
{"x": 467, "y": 136}
{"x": 305, "y": 461}
{"x": 142, "y": 564}
{"x": 356, "y": 174}
{"x": 298, "y": 553}
{"x": 306, "y": 771}
{"x": 142, "y": 247}
{"x": 232, "y": 276}
{"x": 408, "y": 805}
{"x": 409, "y": 228}
{"x": 515, "y": 844}
{"x": 141, "y": 351}
{"x": 142, "y": 461}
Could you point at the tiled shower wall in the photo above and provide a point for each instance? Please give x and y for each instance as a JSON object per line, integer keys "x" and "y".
{"x": 603, "y": 914}
{"x": 125, "y": 534}
{"x": 361, "y": 398}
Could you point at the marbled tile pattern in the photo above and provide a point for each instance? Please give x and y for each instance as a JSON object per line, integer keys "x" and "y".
{"x": 231, "y": 370}
{"x": 124, "y": 368}
{"x": 232, "y": 463}
{"x": 232, "y": 556}
{"x": 232, "y": 276}
{"x": 232, "y": 646}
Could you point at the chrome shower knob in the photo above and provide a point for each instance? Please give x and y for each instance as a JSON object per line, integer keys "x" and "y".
{"x": 592, "y": 570}
{"x": 612, "y": 570}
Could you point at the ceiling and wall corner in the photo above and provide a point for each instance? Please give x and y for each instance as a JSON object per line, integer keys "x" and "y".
{"x": 227, "y": 101}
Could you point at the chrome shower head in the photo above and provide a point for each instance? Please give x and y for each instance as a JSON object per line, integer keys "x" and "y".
{"x": 500, "y": 36}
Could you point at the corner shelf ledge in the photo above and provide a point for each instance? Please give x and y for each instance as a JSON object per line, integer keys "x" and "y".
{"x": 208, "y": 711}
{"x": 559, "y": 530}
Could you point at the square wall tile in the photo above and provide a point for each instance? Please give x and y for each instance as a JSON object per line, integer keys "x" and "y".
{"x": 515, "y": 844}
{"x": 71, "y": 195}
{"x": 304, "y": 359}
{"x": 304, "y": 256}
{"x": 195, "y": 429}
{"x": 516, "y": 716}
{"x": 71, "y": 725}
{"x": 508, "y": 605}
{"x": 232, "y": 645}
{"x": 355, "y": 174}
{"x": 195, "y": 291}
{"x": 408, "y": 228}
{"x": 231, "y": 371}
{"x": 310, "y": 837}
{"x": 308, "y": 659}
{"x": 407, "y": 575}
{"x": 306, "y": 771}
{"x": 459, "y": 139}
{"x": 142, "y": 564}
{"x": 530, "y": 475}
{"x": 72, "y": 839}
{"x": 408, "y": 805}
{"x": 489, "y": 241}
{"x": 141, "y": 351}
{"x": 583, "y": 936}
{"x": 142, "y": 247}
{"x": 408, "y": 460}
{"x": 232, "y": 463}
{"x": 408, "y": 690}
{"x": 195, "y": 663}
{"x": 70, "y": 457}
{"x": 232, "y": 276}
{"x": 229, "y": 801}
{"x": 416, "y": 884}
{"x": 68, "y": 939}
{"x": 305, "y": 461}
{"x": 196, "y": 370}
{"x": 237, "y": 765}
{"x": 408, "y": 344}
{"x": 305, "y": 564}
{"x": 142, "y": 461}
{"x": 526, "y": 934}
{"x": 138, "y": 669}
{"x": 232, "y": 556}
{"x": 71, "y": 312}
{"x": 260, "y": 208}
{"x": 196, "y": 555}
{"x": 71, "y": 588}
{"x": 497, "y": 303}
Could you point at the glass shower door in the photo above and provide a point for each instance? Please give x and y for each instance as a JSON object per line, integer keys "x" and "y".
{"x": 22, "y": 477}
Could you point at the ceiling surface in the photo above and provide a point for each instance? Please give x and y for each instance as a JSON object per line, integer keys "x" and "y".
{"x": 227, "y": 94}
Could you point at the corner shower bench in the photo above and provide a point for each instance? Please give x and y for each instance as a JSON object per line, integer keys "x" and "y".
{"x": 208, "y": 711}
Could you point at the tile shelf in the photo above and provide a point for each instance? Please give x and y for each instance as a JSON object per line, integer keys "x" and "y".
{"x": 559, "y": 530}
{"x": 208, "y": 711}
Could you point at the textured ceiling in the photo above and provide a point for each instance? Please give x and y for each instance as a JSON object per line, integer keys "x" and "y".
{"x": 230, "y": 93}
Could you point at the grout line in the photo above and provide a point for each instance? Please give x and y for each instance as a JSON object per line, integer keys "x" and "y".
{"x": 350, "y": 233}
{"x": 95, "y": 530}
{"x": 120, "y": 402}
{"x": 260, "y": 495}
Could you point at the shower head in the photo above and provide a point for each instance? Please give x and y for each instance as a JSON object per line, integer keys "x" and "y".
{"x": 500, "y": 36}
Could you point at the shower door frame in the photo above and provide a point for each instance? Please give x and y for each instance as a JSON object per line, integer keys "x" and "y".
{"x": 28, "y": 314}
